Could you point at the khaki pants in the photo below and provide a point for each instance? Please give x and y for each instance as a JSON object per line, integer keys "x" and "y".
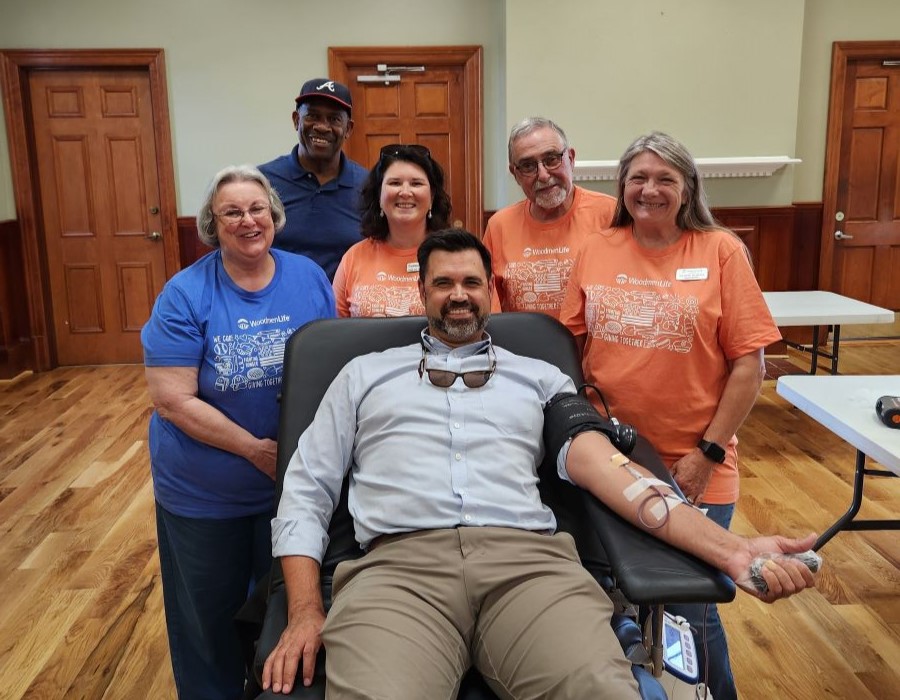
{"x": 413, "y": 614}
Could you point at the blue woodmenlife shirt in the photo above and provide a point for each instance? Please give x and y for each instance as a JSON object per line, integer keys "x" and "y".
{"x": 323, "y": 221}
{"x": 421, "y": 457}
{"x": 236, "y": 339}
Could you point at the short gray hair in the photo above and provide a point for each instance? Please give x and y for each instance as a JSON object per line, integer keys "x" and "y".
{"x": 694, "y": 213}
{"x": 206, "y": 221}
{"x": 528, "y": 125}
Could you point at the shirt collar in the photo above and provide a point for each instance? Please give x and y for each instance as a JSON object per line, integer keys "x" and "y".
{"x": 344, "y": 178}
{"x": 438, "y": 347}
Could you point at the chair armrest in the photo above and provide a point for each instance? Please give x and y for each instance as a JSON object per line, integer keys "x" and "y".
{"x": 646, "y": 569}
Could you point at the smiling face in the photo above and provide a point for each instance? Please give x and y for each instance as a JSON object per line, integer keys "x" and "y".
{"x": 654, "y": 191}
{"x": 551, "y": 192}
{"x": 247, "y": 240}
{"x": 322, "y": 127}
{"x": 405, "y": 195}
{"x": 456, "y": 294}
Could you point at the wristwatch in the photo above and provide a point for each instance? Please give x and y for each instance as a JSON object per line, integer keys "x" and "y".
{"x": 712, "y": 450}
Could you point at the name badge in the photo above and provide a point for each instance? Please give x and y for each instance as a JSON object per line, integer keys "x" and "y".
{"x": 412, "y": 267}
{"x": 690, "y": 274}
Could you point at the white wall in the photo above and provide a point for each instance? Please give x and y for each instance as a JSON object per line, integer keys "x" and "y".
{"x": 720, "y": 76}
{"x": 234, "y": 67}
{"x": 727, "y": 77}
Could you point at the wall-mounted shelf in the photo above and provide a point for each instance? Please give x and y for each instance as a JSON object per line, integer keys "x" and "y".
{"x": 753, "y": 166}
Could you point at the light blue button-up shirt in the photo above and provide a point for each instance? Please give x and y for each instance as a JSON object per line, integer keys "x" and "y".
{"x": 421, "y": 457}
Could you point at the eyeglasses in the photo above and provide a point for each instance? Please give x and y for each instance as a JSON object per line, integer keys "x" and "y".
{"x": 550, "y": 161}
{"x": 235, "y": 216}
{"x": 444, "y": 378}
{"x": 402, "y": 149}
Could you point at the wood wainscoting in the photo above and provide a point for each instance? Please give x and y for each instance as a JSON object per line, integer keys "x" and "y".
{"x": 190, "y": 247}
{"x": 783, "y": 241}
{"x": 15, "y": 334}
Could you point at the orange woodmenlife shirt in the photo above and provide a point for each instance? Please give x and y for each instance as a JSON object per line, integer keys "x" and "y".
{"x": 661, "y": 326}
{"x": 532, "y": 259}
{"x": 375, "y": 279}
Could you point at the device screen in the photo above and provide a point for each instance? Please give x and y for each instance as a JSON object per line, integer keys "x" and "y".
{"x": 673, "y": 647}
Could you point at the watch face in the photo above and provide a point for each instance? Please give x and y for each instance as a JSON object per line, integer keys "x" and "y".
{"x": 712, "y": 450}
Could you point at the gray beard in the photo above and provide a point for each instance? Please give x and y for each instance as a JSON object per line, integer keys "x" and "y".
{"x": 459, "y": 331}
{"x": 550, "y": 199}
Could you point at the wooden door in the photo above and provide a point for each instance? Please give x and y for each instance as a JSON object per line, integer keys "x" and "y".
{"x": 861, "y": 208}
{"x": 100, "y": 210}
{"x": 439, "y": 107}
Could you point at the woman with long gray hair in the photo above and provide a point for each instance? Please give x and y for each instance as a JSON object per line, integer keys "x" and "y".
{"x": 673, "y": 326}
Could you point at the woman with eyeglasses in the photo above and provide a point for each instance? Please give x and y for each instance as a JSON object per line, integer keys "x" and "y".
{"x": 673, "y": 326}
{"x": 402, "y": 200}
{"x": 213, "y": 351}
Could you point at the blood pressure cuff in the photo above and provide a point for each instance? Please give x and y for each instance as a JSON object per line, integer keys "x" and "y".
{"x": 567, "y": 415}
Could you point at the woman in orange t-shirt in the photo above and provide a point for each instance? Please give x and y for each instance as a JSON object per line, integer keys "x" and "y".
{"x": 402, "y": 200}
{"x": 673, "y": 326}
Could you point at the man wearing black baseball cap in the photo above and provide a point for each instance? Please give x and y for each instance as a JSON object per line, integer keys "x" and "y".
{"x": 318, "y": 184}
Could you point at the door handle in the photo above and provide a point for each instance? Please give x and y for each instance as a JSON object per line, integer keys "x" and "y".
{"x": 841, "y": 236}
{"x": 155, "y": 236}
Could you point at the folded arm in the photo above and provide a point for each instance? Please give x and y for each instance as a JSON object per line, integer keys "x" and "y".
{"x": 173, "y": 391}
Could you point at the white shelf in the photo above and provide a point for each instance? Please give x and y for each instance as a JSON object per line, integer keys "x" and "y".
{"x": 753, "y": 166}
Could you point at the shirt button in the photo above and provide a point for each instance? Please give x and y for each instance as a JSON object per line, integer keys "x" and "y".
{"x": 456, "y": 425}
{"x": 458, "y": 456}
{"x": 467, "y": 518}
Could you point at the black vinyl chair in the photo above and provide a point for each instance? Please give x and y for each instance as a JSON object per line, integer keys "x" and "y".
{"x": 647, "y": 571}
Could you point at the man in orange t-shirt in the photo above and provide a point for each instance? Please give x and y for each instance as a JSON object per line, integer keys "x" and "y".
{"x": 533, "y": 243}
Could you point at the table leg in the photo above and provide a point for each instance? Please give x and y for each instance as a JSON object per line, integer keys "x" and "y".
{"x": 814, "y": 362}
{"x": 846, "y": 522}
{"x": 835, "y": 343}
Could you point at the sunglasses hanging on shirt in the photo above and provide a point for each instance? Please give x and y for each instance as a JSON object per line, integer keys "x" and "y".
{"x": 443, "y": 378}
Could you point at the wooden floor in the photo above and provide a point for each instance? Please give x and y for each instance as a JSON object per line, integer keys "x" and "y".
{"x": 80, "y": 600}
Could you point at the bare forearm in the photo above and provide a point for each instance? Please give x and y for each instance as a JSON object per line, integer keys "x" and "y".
{"x": 740, "y": 393}
{"x": 590, "y": 464}
{"x": 202, "y": 422}
{"x": 173, "y": 391}
{"x": 303, "y": 586}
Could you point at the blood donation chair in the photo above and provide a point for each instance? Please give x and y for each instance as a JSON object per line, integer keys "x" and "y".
{"x": 647, "y": 572}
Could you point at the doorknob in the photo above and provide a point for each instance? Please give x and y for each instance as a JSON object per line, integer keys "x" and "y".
{"x": 155, "y": 236}
{"x": 841, "y": 236}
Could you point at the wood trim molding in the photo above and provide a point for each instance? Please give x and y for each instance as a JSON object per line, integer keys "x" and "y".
{"x": 15, "y": 66}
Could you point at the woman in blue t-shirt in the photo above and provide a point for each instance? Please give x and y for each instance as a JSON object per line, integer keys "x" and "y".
{"x": 213, "y": 351}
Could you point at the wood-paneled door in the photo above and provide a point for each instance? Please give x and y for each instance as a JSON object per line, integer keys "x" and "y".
{"x": 861, "y": 208}
{"x": 439, "y": 107}
{"x": 94, "y": 188}
{"x": 96, "y": 164}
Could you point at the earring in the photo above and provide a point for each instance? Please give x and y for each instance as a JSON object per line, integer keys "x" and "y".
{"x": 381, "y": 213}
{"x": 429, "y": 213}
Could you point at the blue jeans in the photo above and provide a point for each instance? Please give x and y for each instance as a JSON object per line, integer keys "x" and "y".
{"x": 720, "y": 681}
{"x": 208, "y": 568}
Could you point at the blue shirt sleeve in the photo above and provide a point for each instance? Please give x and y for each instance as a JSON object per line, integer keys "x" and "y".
{"x": 173, "y": 337}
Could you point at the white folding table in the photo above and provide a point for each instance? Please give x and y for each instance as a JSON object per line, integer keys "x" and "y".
{"x": 846, "y": 406}
{"x": 815, "y": 308}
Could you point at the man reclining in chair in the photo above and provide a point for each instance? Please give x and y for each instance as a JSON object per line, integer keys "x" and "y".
{"x": 462, "y": 565}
